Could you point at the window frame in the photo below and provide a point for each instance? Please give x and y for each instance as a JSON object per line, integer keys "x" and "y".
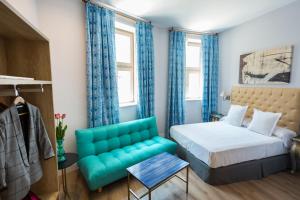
{"x": 192, "y": 69}
{"x": 121, "y": 66}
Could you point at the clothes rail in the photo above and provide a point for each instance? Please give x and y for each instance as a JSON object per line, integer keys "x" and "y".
{"x": 15, "y": 91}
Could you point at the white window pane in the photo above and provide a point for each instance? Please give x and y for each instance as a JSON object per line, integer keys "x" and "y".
{"x": 193, "y": 56}
{"x": 194, "y": 85}
{"x": 124, "y": 86}
{"x": 127, "y": 26}
{"x": 123, "y": 48}
{"x": 193, "y": 69}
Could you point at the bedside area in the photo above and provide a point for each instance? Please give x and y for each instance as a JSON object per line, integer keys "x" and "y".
{"x": 295, "y": 153}
{"x": 216, "y": 117}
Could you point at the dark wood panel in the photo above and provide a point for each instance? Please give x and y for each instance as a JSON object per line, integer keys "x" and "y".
{"x": 28, "y": 58}
{"x": 3, "y": 59}
{"x": 24, "y": 51}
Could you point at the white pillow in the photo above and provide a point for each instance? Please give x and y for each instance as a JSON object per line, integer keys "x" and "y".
{"x": 285, "y": 135}
{"x": 236, "y": 115}
{"x": 264, "y": 122}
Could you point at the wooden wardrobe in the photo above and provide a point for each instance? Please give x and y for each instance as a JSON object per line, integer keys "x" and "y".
{"x": 24, "y": 51}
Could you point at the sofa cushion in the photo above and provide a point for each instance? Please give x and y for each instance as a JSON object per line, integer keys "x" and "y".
{"x": 94, "y": 141}
{"x": 108, "y": 167}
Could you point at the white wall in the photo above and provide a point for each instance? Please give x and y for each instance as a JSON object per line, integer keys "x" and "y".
{"x": 64, "y": 24}
{"x": 275, "y": 29}
{"x": 193, "y": 111}
{"x": 161, "y": 44}
{"x": 27, "y": 8}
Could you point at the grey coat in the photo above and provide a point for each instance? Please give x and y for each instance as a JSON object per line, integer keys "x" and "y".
{"x": 17, "y": 170}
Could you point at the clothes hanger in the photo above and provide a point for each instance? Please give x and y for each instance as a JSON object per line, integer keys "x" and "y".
{"x": 19, "y": 102}
{"x": 21, "y": 106}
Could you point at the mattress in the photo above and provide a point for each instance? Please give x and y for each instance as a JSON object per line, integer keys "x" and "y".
{"x": 219, "y": 144}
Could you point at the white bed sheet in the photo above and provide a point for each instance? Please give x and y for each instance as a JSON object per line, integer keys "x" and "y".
{"x": 219, "y": 144}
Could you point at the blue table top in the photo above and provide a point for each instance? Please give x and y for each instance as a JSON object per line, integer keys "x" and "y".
{"x": 156, "y": 169}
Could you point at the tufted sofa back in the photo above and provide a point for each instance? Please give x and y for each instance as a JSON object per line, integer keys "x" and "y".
{"x": 94, "y": 141}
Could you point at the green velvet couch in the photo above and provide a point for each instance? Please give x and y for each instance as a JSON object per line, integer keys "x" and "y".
{"x": 105, "y": 152}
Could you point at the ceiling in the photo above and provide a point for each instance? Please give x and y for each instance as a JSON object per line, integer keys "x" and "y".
{"x": 198, "y": 15}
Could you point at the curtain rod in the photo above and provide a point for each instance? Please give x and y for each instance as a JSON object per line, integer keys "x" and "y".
{"x": 117, "y": 10}
{"x": 188, "y": 31}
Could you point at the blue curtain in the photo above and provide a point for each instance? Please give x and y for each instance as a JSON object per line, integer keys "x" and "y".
{"x": 176, "y": 78}
{"x": 145, "y": 66}
{"x": 103, "y": 103}
{"x": 210, "y": 50}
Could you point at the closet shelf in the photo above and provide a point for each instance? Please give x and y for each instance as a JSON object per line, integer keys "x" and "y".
{"x": 23, "y": 82}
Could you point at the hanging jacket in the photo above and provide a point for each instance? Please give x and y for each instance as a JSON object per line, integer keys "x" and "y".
{"x": 17, "y": 170}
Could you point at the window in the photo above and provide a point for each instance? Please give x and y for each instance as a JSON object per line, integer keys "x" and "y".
{"x": 193, "y": 84}
{"x": 125, "y": 65}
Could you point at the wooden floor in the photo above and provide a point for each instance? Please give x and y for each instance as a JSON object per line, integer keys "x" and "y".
{"x": 282, "y": 186}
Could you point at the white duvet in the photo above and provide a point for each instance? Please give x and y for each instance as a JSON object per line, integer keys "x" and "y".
{"x": 219, "y": 144}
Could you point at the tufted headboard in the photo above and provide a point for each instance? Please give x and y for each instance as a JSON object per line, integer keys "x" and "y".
{"x": 283, "y": 100}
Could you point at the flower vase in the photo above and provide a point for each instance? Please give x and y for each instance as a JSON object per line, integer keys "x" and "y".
{"x": 60, "y": 150}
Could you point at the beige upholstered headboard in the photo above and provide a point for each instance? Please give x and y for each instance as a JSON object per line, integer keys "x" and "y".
{"x": 283, "y": 100}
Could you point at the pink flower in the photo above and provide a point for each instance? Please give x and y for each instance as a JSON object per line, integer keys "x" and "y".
{"x": 63, "y": 116}
{"x": 57, "y": 116}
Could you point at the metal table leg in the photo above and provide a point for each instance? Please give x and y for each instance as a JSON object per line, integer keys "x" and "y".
{"x": 187, "y": 179}
{"x": 64, "y": 183}
{"x": 149, "y": 194}
{"x": 128, "y": 186}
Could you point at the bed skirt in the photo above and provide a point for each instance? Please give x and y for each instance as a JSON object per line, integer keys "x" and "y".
{"x": 250, "y": 170}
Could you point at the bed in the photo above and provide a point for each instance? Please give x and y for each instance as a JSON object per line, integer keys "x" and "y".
{"x": 220, "y": 153}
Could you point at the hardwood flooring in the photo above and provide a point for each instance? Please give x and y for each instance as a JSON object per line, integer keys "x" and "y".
{"x": 282, "y": 186}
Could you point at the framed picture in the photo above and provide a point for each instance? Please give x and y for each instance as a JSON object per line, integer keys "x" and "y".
{"x": 266, "y": 67}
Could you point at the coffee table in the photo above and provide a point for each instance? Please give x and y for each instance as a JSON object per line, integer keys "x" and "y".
{"x": 155, "y": 171}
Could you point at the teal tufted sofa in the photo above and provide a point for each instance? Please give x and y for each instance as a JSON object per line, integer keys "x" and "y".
{"x": 105, "y": 152}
